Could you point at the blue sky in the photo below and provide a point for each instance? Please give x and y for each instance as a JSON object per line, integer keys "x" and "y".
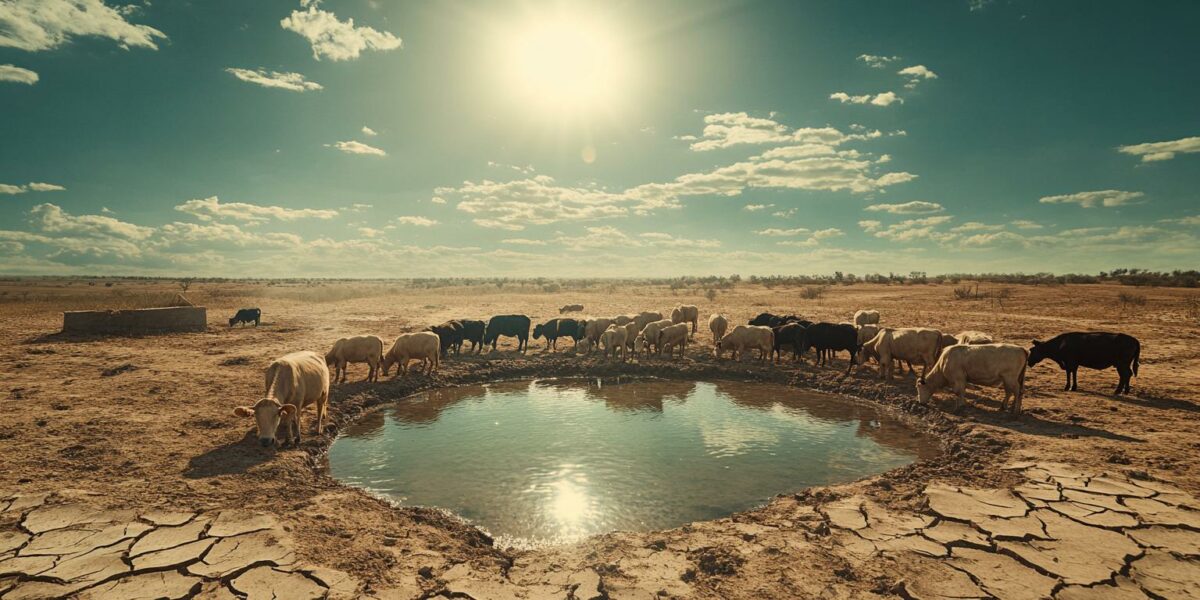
{"x": 377, "y": 138}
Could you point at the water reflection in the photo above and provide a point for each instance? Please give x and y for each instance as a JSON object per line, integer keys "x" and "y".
{"x": 554, "y": 461}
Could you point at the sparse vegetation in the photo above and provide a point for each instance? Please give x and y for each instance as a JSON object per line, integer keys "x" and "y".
{"x": 711, "y": 294}
{"x": 813, "y": 292}
{"x": 1129, "y": 300}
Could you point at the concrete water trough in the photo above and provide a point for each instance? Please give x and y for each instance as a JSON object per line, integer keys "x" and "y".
{"x": 134, "y": 321}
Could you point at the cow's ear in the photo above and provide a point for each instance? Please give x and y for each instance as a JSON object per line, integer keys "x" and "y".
{"x": 287, "y": 409}
{"x": 243, "y": 411}
{"x": 1037, "y": 342}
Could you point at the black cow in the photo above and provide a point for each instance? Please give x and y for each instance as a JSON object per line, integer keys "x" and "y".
{"x": 1099, "y": 350}
{"x": 246, "y": 315}
{"x": 788, "y": 334}
{"x": 473, "y": 332}
{"x": 507, "y": 325}
{"x": 561, "y": 327}
{"x": 451, "y": 334}
{"x": 770, "y": 320}
{"x": 829, "y": 338}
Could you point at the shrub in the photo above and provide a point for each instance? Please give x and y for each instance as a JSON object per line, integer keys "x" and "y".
{"x": 812, "y": 292}
{"x": 711, "y": 294}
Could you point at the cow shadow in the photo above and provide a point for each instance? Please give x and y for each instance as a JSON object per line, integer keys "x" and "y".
{"x": 1151, "y": 400}
{"x": 231, "y": 459}
{"x": 987, "y": 410}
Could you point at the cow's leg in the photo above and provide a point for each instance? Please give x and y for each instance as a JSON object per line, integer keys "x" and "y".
{"x": 1123, "y": 383}
{"x": 1074, "y": 378}
{"x": 1068, "y": 372}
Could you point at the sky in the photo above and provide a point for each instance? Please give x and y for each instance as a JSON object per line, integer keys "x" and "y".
{"x": 379, "y": 138}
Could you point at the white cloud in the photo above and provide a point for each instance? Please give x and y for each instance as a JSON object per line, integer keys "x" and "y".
{"x": 724, "y": 130}
{"x": 356, "y": 147}
{"x": 1026, "y": 224}
{"x": 368, "y": 131}
{"x": 880, "y": 99}
{"x": 370, "y": 232}
{"x": 916, "y": 74}
{"x": 910, "y": 229}
{"x": 785, "y": 214}
{"x": 813, "y": 163}
{"x": 971, "y": 226}
{"x": 17, "y": 74}
{"x": 293, "y": 82}
{"x": 211, "y": 208}
{"x": 877, "y": 62}
{"x": 756, "y": 207}
{"x": 1106, "y": 198}
{"x": 360, "y": 207}
{"x": 418, "y": 221}
{"x": 35, "y": 186}
{"x": 775, "y": 232}
{"x": 537, "y": 200}
{"x": 915, "y": 207}
{"x": 526, "y": 170}
{"x": 36, "y": 25}
{"x": 523, "y": 242}
{"x": 53, "y": 219}
{"x": 814, "y": 239}
{"x": 334, "y": 39}
{"x": 1156, "y": 151}
{"x": 1188, "y": 220}
{"x": 730, "y": 129}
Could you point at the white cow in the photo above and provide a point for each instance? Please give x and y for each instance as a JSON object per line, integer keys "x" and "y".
{"x": 293, "y": 381}
{"x": 980, "y": 364}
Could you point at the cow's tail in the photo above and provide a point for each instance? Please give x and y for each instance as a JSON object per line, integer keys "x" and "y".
{"x": 1137, "y": 354}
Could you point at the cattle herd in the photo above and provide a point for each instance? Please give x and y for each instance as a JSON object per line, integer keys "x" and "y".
{"x": 947, "y": 361}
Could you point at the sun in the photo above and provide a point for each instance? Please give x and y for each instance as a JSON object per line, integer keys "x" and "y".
{"x": 565, "y": 63}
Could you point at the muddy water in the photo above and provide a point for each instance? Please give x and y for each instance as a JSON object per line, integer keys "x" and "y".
{"x": 537, "y": 462}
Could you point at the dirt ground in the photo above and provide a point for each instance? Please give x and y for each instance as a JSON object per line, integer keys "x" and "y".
{"x": 146, "y": 423}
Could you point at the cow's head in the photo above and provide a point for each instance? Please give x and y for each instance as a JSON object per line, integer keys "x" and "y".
{"x": 1037, "y": 353}
{"x": 924, "y": 394}
{"x": 232, "y": 320}
{"x": 537, "y": 331}
{"x": 267, "y": 413}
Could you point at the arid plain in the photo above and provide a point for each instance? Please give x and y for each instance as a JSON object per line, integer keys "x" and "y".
{"x": 1086, "y": 495}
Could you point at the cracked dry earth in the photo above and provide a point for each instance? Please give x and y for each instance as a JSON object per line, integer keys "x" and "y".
{"x": 1060, "y": 533}
{"x": 124, "y": 474}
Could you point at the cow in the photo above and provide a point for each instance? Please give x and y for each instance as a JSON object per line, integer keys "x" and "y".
{"x": 623, "y": 320}
{"x": 866, "y": 317}
{"x": 980, "y": 364}
{"x": 560, "y": 327}
{"x": 787, "y": 335}
{"x": 828, "y": 339}
{"x": 571, "y": 308}
{"x": 473, "y": 332}
{"x": 594, "y": 328}
{"x": 423, "y": 345}
{"x": 718, "y": 325}
{"x": 644, "y": 318}
{"x": 671, "y": 337}
{"x": 613, "y": 341}
{"x": 451, "y": 335}
{"x": 246, "y": 315}
{"x": 747, "y": 337}
{"x": 293, "y": 381}
{"x": 358, "y": 349}
{"x": 770, "y": 320}
{"x": 686, "y": 313}
{"x": 508, "y": 325}
{"x": 910, "y": 344}
{"x": 649, "y": 336}
{"x": 1094, "y": 350}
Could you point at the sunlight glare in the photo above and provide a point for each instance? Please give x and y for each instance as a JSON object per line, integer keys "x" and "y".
{"x": 565, "y": 63}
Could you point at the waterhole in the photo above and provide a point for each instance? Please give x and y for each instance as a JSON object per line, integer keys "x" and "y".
{"x": 552, "y": 461}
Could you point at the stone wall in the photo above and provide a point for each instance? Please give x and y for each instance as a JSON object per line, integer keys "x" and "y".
{"x": 174, "y": 318}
